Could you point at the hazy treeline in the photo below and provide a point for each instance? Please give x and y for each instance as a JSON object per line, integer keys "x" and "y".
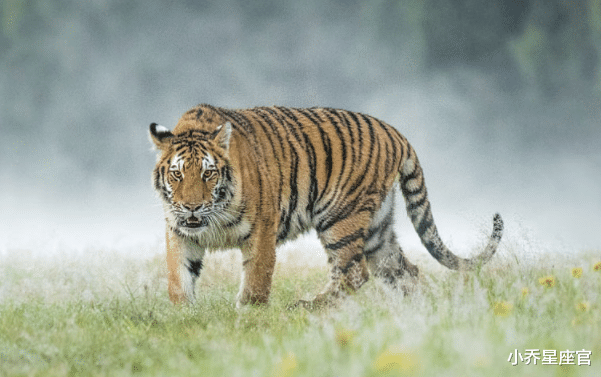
{"x": 551, "y": 44}
{"x": 80, "y": 81}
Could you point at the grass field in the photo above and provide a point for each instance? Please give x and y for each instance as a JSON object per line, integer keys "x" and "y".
{"x": 101, "y": 313}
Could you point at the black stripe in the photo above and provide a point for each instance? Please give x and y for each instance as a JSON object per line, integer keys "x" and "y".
{"x": 407, "y": 192}
{"x": 236, "y": 221}
{"x": 239, "y": 122}
{"x": 293, "y": 198}
{"x": 426, "y": 222}
{"x": 497, "y": 225}
{"x": 359, "y": 129}
{"x": 311, "y": 115}
{"x": 314, "y": 117}
{"x": 337, "y": 180}
{"x": 309, "y": 147}
{"x": 361, "y": 137}
{"x": 161, "y": 183}
{"x": 246, "y": 123}
{"x": 245, "y": 237}
{"x": 226, "y": 172}
{"x": 277, "y": 126}
{"x": 358, "y": 183}
{"x": 414, "y": 174}
{"x": 285, "y": 228}
{"x": 380, "y": 228}
{"x": 312, "y": 175}
{"x": 264, "y": 117}
{"x": 407, "y": 178}
{"x": 224, "y": 190}
{"x": 250, "y": 134}
{"x": 368, "y": 205}
{"x": 340, "y": 135}
{"x": 328, "y": 152}
{"x": 415, "y": 205}
{"x": 216, "y": 153}
{"x": 294, "y": 160}
{"x": 393, "y": 142}
{"x": 368, "y": 253}
{"x": 352, "y": 146}
{"x": 158, "y": 173}
{"x": 193, "y": 150}
{"x": 356, "y": 155}
{"x": 329, "y": 162}
{"x": 341, "y": 115}
{"x": 338, "y": 215}
{"x": 389, "y": 156}
{"x": 354, "y": 260}
{"x": 344, "y": 241}
{"x": 376, "y": 183}
{"x": 286, "y": 112}
{"x": 194, "y": 266}
{"x": 437, "y": 254}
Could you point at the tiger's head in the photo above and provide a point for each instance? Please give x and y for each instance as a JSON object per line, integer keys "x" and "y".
{"x": 193, "y": 176}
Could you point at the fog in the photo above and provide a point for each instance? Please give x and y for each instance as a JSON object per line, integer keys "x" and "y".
{"x": 501, "y": 100}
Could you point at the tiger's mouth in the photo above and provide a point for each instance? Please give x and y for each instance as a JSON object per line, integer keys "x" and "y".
{"x": 194, "y": 222}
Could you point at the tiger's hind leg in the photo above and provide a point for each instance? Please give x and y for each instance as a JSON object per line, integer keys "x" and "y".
{"x": 392, "y": 266}
{"x": 343, "y": 242}
{"x": 384, "y": 256}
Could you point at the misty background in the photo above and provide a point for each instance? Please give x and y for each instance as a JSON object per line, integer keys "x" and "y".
{"x": 500, "y": 98}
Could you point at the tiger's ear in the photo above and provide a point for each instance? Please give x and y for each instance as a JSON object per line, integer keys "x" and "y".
{"x": 222, "y": 135}
{"x": 160, "y": 135}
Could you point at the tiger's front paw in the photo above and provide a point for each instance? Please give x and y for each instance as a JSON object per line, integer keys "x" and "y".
{"x": 245, "y": 297}
{"x": 307, "y": 304}
{"x": 320, "y": 301}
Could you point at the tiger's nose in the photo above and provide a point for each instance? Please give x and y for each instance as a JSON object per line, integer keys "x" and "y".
{"x": 192, "y": 207}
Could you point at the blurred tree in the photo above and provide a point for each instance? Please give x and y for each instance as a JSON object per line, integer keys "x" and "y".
{"x": 595, "y": 23}
{"x": 549, "y": 45}
{"x": 77, "y": 78}
{"x": 469, "y": 31}
{"x": 474, "y": 33}
{"x": 12, "y": 13}
{"x": 557, "y": 51}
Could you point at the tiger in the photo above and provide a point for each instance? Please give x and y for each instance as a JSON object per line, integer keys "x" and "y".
{"x": 255, "y": 178}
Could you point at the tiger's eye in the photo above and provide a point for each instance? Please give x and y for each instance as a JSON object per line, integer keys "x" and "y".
{"x": 208, "y": 174}
{"x": 176, "y": 174}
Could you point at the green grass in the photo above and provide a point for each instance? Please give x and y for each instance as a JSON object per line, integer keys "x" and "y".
{"x": 101, "y": 317}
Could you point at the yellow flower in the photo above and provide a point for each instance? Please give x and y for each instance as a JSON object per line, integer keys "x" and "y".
{"x": 395, "y": 359}
{"x": 547, "y": 281}
{"x": 597, "y": 266}
{"x": 286, "y": 367}
{"x": 582, "y": 306}
{"x": 503, "y": 308}
{"x": 481, "y": 362}
{"x": 525, "y": 291}
{"x": 577, "y": 272}
{"x": 344, "y": 337}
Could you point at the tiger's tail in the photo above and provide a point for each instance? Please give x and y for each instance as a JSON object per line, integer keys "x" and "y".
{"x": 419, "y": 210}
